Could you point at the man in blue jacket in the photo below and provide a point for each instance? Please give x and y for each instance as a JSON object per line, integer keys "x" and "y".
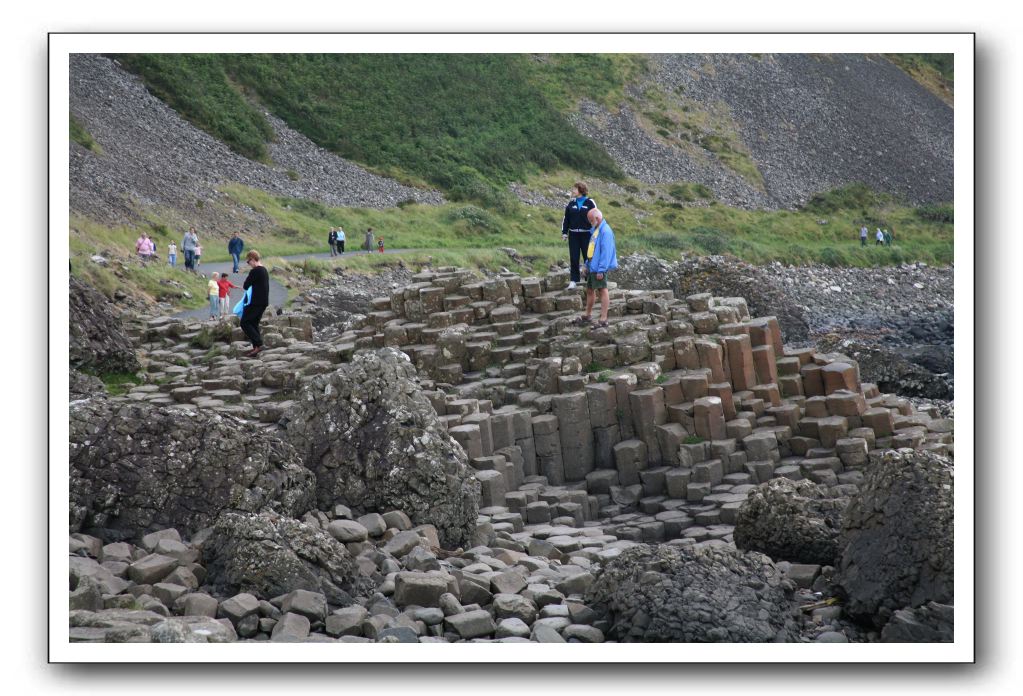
{"x": 601, "y": 258}
{"x": 234, "y": 248}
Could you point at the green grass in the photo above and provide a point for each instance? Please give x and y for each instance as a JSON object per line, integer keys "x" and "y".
{"x": 197, "y": 87}
{"x": 118, "y": 383}
{"x": 466, "y": 123}
{"x": 456, "y": 234}
{"x": 81, "y": 136}
{"x": 935, "y": 71}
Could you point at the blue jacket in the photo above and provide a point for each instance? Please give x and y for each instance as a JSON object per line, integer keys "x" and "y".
{"x": 605, "y": 256}
{"x": 235, "y": 246}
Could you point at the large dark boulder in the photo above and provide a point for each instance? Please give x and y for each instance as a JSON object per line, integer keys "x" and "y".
{"x": 98, "y": 343}
{"x": 81, "y": 385}
{"x": 269, "y": 555}
{"x": 795, "y": 521}
{"x": 897, "y": 537}
{"x": 685, "y": 594}
{"x": 137, "y": 468}
{"x": 726, "y": 276}
{"x": 376, "y": 444}
{"x": 930, "y": 623}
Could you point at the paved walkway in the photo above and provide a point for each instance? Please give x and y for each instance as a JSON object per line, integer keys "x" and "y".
{"x": 278, "y": 293}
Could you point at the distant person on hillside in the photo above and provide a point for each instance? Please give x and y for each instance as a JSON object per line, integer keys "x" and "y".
{"x": 198, "y": 254}
{"x": 879, "y": 237}
{"x": 332, "y": 241}
{"x": 369, "y": 239}
{"x": 340, "y": 240}
{"x": 213, "y": 290}
{"x": 887, "y": 237}
{"x": 575, "y": 228}
{"x": 235, "y": 247}
{"x": 188, "y": 245}
{"x": 172, "y": 254}
{"x": 863, "y": 236}
{"x": 225, "y": 285}
{"x": 380, "y": 244}
{"x": 601, "y": 258}
{"x": 259, "y": 280}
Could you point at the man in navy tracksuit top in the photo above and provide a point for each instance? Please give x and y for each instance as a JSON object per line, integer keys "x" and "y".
{"x": 576, "y": 228}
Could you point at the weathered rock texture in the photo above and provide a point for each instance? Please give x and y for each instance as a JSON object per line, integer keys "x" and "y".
{"x": 897, "y": 537}
{"x": 930, "y": 623}
{"x": 269, "y": 555}
{"x": 81, "y": 385}
{"x": 796, "y": 521}
{"x": 711, "y": 594}
{"x": 98, "y": 342}
{"x": 375, "y": 443}
{"x": 136, "y": 468}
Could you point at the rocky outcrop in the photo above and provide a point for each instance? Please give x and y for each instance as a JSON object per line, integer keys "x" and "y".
{"x": 795, "y": 521}
{"x": 730, "y": 277}
{"x": 137, "y": 467}
{"x": 81, "y": 385}
{"x": 375, "y": 443}
{"x": 891, "y": 372}
{"x": 684, "y": 594}
{"x": 897, "y": 537}
{"x": 930, "y": 623}
{"x": 98, "y": 342}
{"x": 268, "y": 555}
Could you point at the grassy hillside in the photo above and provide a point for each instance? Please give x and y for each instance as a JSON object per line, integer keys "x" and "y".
{"x": 664, "y": 220}
{"x": 935, "y": 71}
{"x": 466, "y": 123}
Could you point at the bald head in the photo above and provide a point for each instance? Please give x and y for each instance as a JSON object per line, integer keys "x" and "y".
{"x": 595, "y": 216}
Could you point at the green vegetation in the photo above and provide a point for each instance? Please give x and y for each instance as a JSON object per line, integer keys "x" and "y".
{"x": 935, "y": 71}
{"x": 455, "y": 234}
{"x": 82, "y": 136}
{"x": 692, "y": 440}
{"x": 604, "y": 376}
{"x": 118, "y": 383}
{"x": 466, "y": 123}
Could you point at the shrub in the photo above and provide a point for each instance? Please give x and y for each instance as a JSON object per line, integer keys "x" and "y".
{"x": 475, "y": 219}
{"x": 710, "y": 241}
{"x": 855, "y": 196}
{"x": 944, "y": 213}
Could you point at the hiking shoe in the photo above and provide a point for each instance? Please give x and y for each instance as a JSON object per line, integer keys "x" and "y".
{"x": 571, "y": 286}
{"x": 582, "y": 321}
{"x": 600, "y": 325}
{"x": 254, "y": 352}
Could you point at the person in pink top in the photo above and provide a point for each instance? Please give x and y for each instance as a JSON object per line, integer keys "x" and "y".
{"x": 145, "y": 247}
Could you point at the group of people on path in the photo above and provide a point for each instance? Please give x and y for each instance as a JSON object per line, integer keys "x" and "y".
{"x": 881, "y": 237}
{"x": 336, "y": 241}
{"x": 255, "y": 300}
{"x": 591, "y": 252}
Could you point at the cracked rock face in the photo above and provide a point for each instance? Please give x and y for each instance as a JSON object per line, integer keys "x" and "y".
{"x": 682, "y": 594}
{"x": 268, "y": 555}
{"x": 375, "y": 443}
{"x": 137, "y": 468}
{"x": 897, "y": 537}
{"x": 795, "y": 521}
{"x": 98, "y": 342}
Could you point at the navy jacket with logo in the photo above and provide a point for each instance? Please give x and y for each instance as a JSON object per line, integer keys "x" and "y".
{"x": 575, "y": 216}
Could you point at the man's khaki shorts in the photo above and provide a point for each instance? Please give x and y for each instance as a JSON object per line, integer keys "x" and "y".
{"x": 594, "y": 284}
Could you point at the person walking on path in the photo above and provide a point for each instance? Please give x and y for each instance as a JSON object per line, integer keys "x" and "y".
{"x": 863, "y": 236}
{"x": 225, "y": 286}
{"x": 213, "y": 290}
{"x": 575, "y": 228}
{"x": 332, "y": 241}
{"x": 198, "y": 254}
{"x": 235, "y": 247}
{"x": 172, "y": 254}
{"x": 259, "y": 280}
{"x": 188, "y": 245}
{"x": 879, "y": 237}
{"x": 887, "y": 237}
{"x": 601, "y": 258}
{"x": 340, "y": 240}
{"x": 145, "y": 247}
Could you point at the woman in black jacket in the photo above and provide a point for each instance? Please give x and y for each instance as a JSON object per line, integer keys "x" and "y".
{"x": 259, "y": 280}
{"x": 576, "y": 228}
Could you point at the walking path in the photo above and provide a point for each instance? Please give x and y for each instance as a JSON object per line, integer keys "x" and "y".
{"x": 278, "y": 293}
